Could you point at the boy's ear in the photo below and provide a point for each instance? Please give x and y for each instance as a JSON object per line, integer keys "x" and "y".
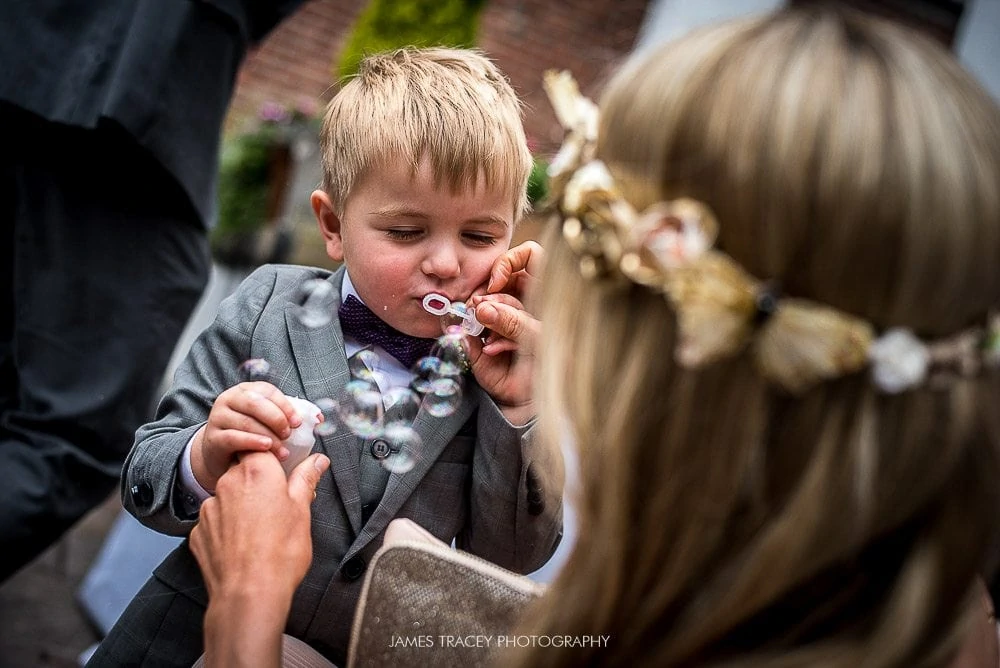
{"x": 329, "y": 224}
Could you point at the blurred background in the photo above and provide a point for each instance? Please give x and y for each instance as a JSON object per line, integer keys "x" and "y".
{"x": 60, "y": 605}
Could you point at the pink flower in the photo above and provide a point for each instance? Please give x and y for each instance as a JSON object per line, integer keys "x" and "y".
{"x": 272, "y": 112}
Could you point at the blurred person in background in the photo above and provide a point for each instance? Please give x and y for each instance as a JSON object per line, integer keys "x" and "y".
{"x": 111, "y": 115}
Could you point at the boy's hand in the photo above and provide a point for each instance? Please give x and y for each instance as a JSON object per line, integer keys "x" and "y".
{"x": 254, "y": 416}
{"x": 504, "y": 365}
{"x": 517, "y": 270}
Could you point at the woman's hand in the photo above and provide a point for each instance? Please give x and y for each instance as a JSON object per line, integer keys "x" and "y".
{"x": 253, "y": 543}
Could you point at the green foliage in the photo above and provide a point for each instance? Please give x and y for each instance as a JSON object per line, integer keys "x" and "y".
{"x": 390, "y": 24}
{"x": 243, "y": 172}
{"x": 245, "y": 164}
{"x": 538, "y": 182}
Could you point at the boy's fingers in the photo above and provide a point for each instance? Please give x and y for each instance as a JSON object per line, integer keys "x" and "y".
{"x": 234, "y": 441}
{"x": 527, "y": 257}
{"x": 282, "y": 402}
{"x": 499, "y": 298}
{"x": 265, "y": 410}
{"x": 500, "y": 345}
{"x": 304, "y": 477}
{"x": 509, "y": 322}
{"x": 277, "y": 397}
{"x": 243, "y": 421}
{"x": 497, "y": 342}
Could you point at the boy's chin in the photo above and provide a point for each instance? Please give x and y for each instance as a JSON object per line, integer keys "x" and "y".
{"x": 421, "y": 331}
{"x": 428, "y": 333}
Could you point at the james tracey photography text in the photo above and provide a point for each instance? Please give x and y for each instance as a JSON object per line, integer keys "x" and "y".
{"x": 501, "y": 641}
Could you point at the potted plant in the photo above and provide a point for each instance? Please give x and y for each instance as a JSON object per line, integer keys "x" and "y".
{"x": 256, "y": 173}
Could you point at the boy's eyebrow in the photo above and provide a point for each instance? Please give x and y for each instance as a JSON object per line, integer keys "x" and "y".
{"x": 496, "y": 221}
{"x": 407, "y": 212}
{"x": 399, "y": 212}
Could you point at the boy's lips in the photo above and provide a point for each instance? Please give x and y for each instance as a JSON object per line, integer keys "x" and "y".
{"x": 436, "y": 292}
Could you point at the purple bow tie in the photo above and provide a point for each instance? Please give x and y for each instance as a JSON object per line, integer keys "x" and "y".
{"x": 358, "y": 322}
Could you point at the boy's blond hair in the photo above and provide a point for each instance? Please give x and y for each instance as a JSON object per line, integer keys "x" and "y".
{"x": 725, "y": 522}
{"x": 452, "y": 106}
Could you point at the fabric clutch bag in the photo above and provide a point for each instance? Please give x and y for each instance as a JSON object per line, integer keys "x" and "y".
{"x": 425, "y": 604}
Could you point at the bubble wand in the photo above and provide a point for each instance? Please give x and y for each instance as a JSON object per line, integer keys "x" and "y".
{"x": 437, "y": 304}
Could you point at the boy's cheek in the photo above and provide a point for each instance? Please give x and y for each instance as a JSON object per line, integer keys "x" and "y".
{"x": 480, "y": 289}
{"x": 482, "y": 276}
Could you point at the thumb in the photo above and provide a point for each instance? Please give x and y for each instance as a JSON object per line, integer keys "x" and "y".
{"x": 304, "y": 478}
{"x": 510, "y": 323}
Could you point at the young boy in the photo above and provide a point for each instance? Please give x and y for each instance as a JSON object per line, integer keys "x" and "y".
{"x": 425, "y": 168}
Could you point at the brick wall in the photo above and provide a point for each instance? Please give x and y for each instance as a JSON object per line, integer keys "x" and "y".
{"x": 295, "y": 60}
{"x": 525, "y": 37}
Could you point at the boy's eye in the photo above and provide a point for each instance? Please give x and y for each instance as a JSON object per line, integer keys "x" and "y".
{"x": 403, "y": 234}
{"x": 480, "y": 239}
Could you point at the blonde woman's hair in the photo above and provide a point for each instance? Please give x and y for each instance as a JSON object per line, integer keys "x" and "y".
{"x": 724, "y": 522}
{"x": 452, "y": 106}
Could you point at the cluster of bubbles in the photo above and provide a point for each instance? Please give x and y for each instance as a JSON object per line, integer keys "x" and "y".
{"x": 364, "y": 409}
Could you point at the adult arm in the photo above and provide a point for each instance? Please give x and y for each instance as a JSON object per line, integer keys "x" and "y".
{"x": 254, "y": 546}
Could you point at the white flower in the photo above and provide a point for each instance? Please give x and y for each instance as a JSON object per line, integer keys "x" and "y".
{"x": 591, "y": 177}
{"x": 899, "y": 361}
{"x": 587, "y": 118}
{"x": 567, "y": 157}
{"x": 675, "y": 232}
{"x": 574, "y": 112}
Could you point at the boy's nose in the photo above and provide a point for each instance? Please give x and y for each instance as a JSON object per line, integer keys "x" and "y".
{"x": 442, "y": 261}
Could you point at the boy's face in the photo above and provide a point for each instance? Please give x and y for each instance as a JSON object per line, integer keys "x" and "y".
{"x": 402, "y": 237}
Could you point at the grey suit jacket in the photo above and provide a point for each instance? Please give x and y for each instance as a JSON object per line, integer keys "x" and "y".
{"x": 479, "y": 480}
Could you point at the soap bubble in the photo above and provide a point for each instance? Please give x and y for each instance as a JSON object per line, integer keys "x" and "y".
{"x": 453, "y": 351}
{"x": 330, "y": 409}
{"x": 405, "y": 444}
{"x": 362, "y": 365}
{"x": 314, "y": 302}
{"x": 254, "y": 370}
{"x": 361, "y": 408}
{"x": 425, "y": 371}
{"x": 444, "y": 397}
{"x": 401, "y": 405}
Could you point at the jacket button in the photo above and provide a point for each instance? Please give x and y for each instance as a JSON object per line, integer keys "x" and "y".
{"x": 380, "y": 449}
{"x": 142, "y": 494}
{"x": 536, "y": 501}
{"x": 354, "y": 568}
{"x": 531, "y": 479}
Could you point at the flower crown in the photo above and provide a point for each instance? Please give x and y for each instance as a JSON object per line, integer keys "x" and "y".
{"x": 721, "y": 309}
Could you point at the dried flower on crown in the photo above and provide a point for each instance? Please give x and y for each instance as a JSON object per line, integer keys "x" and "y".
{"x": 721, "y": 309}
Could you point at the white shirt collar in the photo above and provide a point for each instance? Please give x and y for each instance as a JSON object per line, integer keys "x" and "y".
{"x": 347, "y": 289}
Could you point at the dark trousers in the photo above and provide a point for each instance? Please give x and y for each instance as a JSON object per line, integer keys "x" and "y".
{"x": 102, "y": 260}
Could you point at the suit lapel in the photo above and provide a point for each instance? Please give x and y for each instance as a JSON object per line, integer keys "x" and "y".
{"x": 322, "y": 362}
{"x": 437, "y": 433}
